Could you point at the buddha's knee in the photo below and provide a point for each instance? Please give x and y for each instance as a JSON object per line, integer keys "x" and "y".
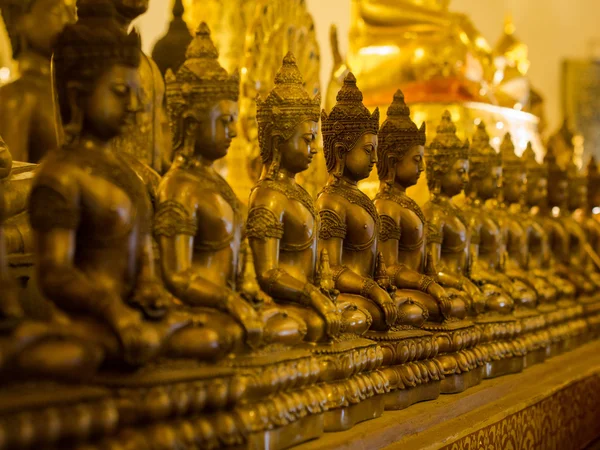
{"x": 499, "y": 303}
{"x": 206, "y": 343}
{"x": 284, "y": 328}
{"x": 356, "y": 319}
{"x": 60, "y": 358}
{"x": 412, "y": 313}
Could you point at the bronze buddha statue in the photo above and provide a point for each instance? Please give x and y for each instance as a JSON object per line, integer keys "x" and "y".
{"x": 541, "y": 259}
{"x": 549, "y": 213}
{"x": 349, "y": 222}
{"x": 510, "y": 211}
{"x": 282, "y": 232}
{"x": 403, "y": 235}
{"x": 147, "y": 140}
{"x": 282, "y": 222}
{"x": 92, "y": 215}
{"x": 450, "y": 235}
{"x": 587, "y": 212}
{"x": 199, "y": 220}
{"x": 27, "y": 121}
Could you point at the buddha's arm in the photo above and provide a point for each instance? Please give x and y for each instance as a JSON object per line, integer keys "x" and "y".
{"x": 55, "y": 219}
{"x": 435, "y": 237}
{"x": 332, "y": 233}
{"x": 402, "y": 276}
{"x": 15, "y": 119}
{"x": 264, "y": 231}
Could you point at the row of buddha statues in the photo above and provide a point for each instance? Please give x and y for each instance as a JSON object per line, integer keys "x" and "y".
{"x": 205, "y": 323}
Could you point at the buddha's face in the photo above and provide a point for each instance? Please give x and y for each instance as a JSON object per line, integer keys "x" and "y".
{"x": 298, "y": 151}
{"x": 112, "y": 103}
{"x": 130, "y": 9}
{"x": 361, "y": 158}
{"x": 537, "y": 191}
{"x": 558, "y": 192}
{"x": 578, "y": 196}
{"x": 216, "y": 130}
{"x": 43, "y": 23}
{"x": 410, "y": 167}
{"x": 515, "y": 188}
{"x": 456, "y": 178}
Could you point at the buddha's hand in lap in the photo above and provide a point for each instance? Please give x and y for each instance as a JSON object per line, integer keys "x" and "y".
{"x": 247, "y": 316}
{"x": 385, "y": 302}
{"x": 441, "y": 298}
{"x": 152, "y": 298}
{"x": 327, "y": 309}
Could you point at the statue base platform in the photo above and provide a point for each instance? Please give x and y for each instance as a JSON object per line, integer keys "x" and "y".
{"x": 551, "y": 405}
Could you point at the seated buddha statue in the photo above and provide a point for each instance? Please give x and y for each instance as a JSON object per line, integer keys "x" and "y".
{"x": 92, "y": 215}
{"x": 511, "y": 236}
{"x": 403, "y": 235}
{"x": 511, "y": 215}
{"x": 199, "y": 220}
{"x": 541, "y": 260}
{"x": 349, "y": 222}
{"x": 582, "y": 254}
{"x": 586, "y": 213}
{"x": 452, "y": 239}
{"x": 282, "y": 222}
{"x": 553, "y": 223}
{"x": 26, "y": 104}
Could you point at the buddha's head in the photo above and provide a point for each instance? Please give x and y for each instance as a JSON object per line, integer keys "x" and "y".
{"x": 350, "y": 134}
{"x": 96, "y": 74}
{"x": 485, "y": 169}
{"x": 513, "y": 172}
{"x": 447, "y": 161}
{"x": 537, "y": 179}
{"x": 202, "y": 100}
{"x": 401, "y": 146}
{"x": 34, "y": 24}
{"x": 288, "y": 121}
{"x": 558, "y": 183}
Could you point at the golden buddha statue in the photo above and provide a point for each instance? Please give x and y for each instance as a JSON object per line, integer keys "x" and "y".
{"x": 281, "y": 220}
{"x": 403, "y": 236}
{"x": 511, "y": 60}
{"x": 430, "y": 52}
{"x": 349, "y": 222}
{"x": 282, "y": 232}
{"x": 169, "y": 51}
{"x": 403, "y": 243}
{"x": 559, "y": 239}
{"x": 92, "y": 215}
{"x": 540, "y": 257}
{"x": 586, "y": 214}
{"x": 510, "y": 211}
{"x": 581, "y": 252}
{"x": 26, "y": 105}
{"x": 147, "y": 139}
{"x": 562, "y": 145}
{"x": 450, "y": 237}
{"x": 453, "y": 247}
{"x": 199, "y": 220}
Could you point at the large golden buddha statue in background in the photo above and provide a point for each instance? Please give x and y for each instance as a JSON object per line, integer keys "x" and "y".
{"x": 420, "y": 46}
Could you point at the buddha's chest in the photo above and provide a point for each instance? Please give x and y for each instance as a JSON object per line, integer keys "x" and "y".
{"x": 217, "y": 220}
{"x": 455, "y": 234}
{"x": 298, "y": 225}
{"x": 412, "y": 229}
{"x": 361, "y": 228}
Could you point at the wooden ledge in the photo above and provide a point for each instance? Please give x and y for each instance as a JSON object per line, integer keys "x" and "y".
{"x": 551, "y": 405}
